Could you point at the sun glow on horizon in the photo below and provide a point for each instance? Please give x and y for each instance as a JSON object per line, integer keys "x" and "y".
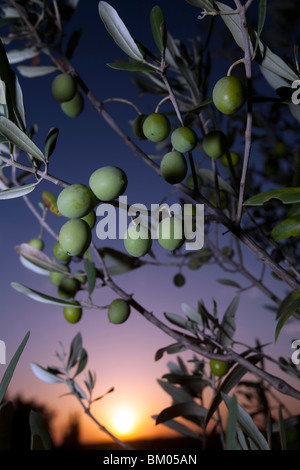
{"x": 124, "y": 421}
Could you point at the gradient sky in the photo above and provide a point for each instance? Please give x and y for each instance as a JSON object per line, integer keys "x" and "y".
{"x": 122, "y": 356}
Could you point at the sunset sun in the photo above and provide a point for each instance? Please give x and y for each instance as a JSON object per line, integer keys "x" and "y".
{"x": 123, "y": 421}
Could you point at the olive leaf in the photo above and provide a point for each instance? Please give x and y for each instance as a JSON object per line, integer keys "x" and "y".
{"x": 17, "y": 191}
{"x": 118, "y": 30}
{"x": 39, "y": 297}
{"x": 32, "y": 71}
{"x": 285, "y": 195}
{"x": 7, "y": 376}
{"x": 158, "y": 27}
{"x": 38, "y": 428}
{"x": 46, "y": 375}
{"x": 16, "y": 136}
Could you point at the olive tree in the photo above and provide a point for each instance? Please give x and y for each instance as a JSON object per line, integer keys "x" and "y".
{"x": 196, "y": 125}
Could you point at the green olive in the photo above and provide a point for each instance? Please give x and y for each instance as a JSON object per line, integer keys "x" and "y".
{"x": 170, "y": 233}
{"x": 137, "y": 240}
{"x": 64, "y": 87}
{"x": 68, "y": 288}
{"x": 74, "y": 107}
{"x": 57, "y": 277}
{"x": 75, "y": 201}
{"x": 190, "y": 181}
{"x": 179, "y": 280}
{"x": 234, "y": 157}
{"x": 37, "y": 243}
{"x": 156, "y": 127}
{"x": 137, "y": 126}
{"x": 108, "y": 183}
{"x": 173, "y": 167}
{"x": 73, "y": 314}
{"x": 218, "y": 368}
{"x": 118, "y": 311}
{"x": 215, "y": 144}
{"x": 90, "y": 218}
{"x": 59, "y": 253}
{"x": 75, "y": 237}
{"x": 184, "y": 139}
{"x": 229, "y": 94}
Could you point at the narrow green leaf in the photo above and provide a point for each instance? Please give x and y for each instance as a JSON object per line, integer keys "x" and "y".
{"x": 82, "y": 362}
{"x": 17, "y": 137}
{"x": 75, "y": 351}
{"x": 179, "y": 321}
{"x": 32, "y": 71}
{"x": 231, "y": 436}
{"x": 14, "y": 96}
{"x": 157, "y": 20}
{"x": 247, "y": 424}
{"x": 7, "y": 376}
{"x": 118, "y": 31}
{"x": 191, "y": 313}
{"x": 39, "y": 297}
{"x": 285, "y": 195}
{"x": 180, "y": 428}
{"x": 229, "y": 282}
{"x": 38, "y": 258}
{"x": 171, "y": 349}
{"x": 15, "y": 56}
{"x": 282, "y": 430}
{"x": 287, "y": 228}
{"x": 39, "y": 428}
{"x": 228, "y": 326}
{"x": 181, "y": 409}
{"x": 46, "y": 375}
{"x": 204, "y": 4}
{"x": 50, "y": 142}
{"x": 18, "y": 191}
{"x": 91, "y": 272}
{"x": 262, "y": 12}
{"x": 286, "y": 315}
{"x": 129, "y": 66}
{"x": 178, "y": 394}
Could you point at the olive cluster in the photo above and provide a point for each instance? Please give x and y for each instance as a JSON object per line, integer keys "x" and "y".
{"x": 229, "y": 96}
{"x": 64, "y": 90}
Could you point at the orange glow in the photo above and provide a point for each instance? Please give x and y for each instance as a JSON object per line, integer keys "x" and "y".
{"x": 123, "y": 422}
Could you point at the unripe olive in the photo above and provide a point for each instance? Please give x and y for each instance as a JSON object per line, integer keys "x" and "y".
{"x": 215, "y": 144}
{"x": 59, "y": 253}
{"x": 173, "y": 167}
{"x": 137, "y": 126}
{"x": 218, "y": 368}
{"x": 57, "y": 277}
{"x": 156, "y": 127}
{"x": 75, "y": 201}
{"x": 234, "y": 157}
{"x": 229, "y": 94}
{"x": 223, "y": 199}
{"x": 64, "y": 87}
{"x": 118, "y": 311}
{"x": 108, "y": 183}
{"x": 90, "y": 218}
{"x": 137, "y": 240}
{"x": 184, "y": 139}
{"x": 68, "y": 288}
{"x": 73, "y": 314}
{"x": 170, "y": 233}
{"x": 37, "y": 243}
{"x": 75, "y": 237}
{"x": 74, "y": 107}
{"x": 190, "y": 181}
{"x": 179, "y": 280}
